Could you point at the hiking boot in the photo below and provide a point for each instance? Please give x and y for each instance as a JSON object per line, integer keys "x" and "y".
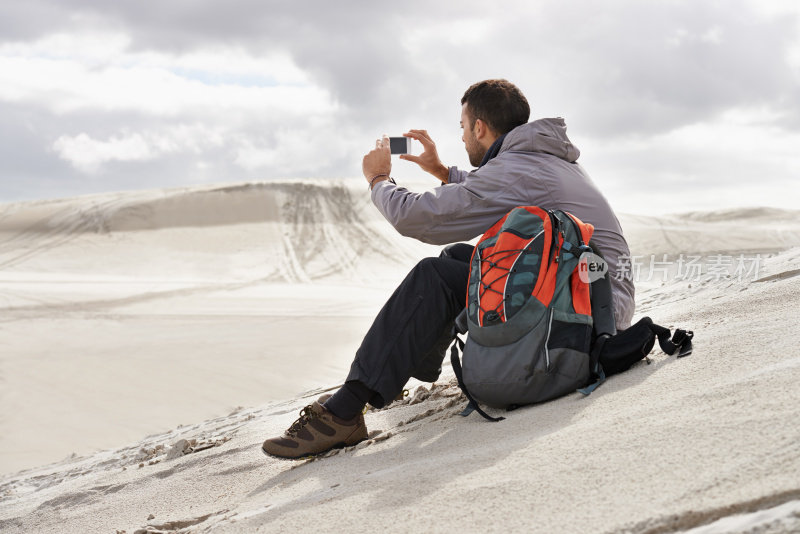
{"x": 316, "y": 431}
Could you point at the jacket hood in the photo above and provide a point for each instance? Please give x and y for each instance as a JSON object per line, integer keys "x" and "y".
{"x": 543, "y": 135}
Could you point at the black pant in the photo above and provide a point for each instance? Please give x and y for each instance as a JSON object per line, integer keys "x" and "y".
{"x": 410, "y": 334}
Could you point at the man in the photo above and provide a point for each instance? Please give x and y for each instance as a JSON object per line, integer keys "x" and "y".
{"x": 519, "y": 164}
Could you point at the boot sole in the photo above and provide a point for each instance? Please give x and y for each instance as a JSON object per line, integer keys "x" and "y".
{"x": 341, "y": 445}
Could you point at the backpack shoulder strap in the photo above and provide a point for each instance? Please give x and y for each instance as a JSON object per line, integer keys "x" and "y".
{"x": 604, "y": 325}
{"x": 602, "y": 303}
{"x": 678, "y": 344}
{"x": 456, "y": 363}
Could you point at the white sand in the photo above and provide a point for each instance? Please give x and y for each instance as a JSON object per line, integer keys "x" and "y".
{"x": 134, "y": 313}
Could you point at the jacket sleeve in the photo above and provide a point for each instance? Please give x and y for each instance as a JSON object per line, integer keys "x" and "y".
{"x": 467, "y": 208}
{"x": 456, "y": 176}
{"x": 437, "y": 217}
{"x": 449, "y": 213}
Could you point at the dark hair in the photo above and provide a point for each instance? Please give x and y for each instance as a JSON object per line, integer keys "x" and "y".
{"x": 498, "y": 103}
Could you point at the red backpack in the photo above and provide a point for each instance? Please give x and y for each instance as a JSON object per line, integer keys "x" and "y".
{"x": 539, "y": 314}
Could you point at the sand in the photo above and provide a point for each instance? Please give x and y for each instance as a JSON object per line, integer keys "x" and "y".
{"x": 206, "y": 318}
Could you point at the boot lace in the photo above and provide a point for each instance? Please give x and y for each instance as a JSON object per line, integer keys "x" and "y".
{"x": 306, "y": 415}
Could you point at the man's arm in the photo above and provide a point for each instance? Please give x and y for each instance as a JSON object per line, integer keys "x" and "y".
{"x": 377, "y": 164}
{"x": 447, "y": 214}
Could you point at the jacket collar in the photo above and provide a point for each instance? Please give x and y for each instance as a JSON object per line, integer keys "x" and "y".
{"x": 493, "y": 151}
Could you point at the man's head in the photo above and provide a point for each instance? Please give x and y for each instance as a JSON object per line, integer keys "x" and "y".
{"x": 490, "y": 109}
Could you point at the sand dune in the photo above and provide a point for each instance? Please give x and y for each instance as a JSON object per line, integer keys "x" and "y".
{"x": 298, "y": 231}
{"x": 754, "y": 230}
{"x": 182, "y": 312}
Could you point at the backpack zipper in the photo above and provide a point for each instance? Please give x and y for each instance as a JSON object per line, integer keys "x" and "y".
{"x": 555, "y": 229}
{"x": 547, "y": 340}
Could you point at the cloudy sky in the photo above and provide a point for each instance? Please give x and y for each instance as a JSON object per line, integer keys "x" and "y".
{"x": 675, "y": 105}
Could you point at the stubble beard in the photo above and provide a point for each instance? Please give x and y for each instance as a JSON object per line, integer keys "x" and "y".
{"x": 475, "y": 153}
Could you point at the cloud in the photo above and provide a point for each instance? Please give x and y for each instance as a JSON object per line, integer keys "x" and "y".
{"x": 644, "y": 67}
{"x": 201, "y": 83}
{"x": 89, "y": 155}
{"x": 127, "y": 94}
{"x": 738, "y": 159}
{"x": 628, "y": 66}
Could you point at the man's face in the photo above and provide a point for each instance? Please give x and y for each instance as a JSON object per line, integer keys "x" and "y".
{"x": 474, "y": 150}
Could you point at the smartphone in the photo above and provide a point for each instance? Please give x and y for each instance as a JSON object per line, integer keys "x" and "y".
{"x": 400, "y": 145}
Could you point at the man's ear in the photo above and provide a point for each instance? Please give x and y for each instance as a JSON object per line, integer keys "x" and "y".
{"x": 484, "y": 134}
{"x": 480, "y": 130}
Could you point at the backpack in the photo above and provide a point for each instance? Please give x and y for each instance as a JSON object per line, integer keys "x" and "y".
{"x": 539, "y": 315}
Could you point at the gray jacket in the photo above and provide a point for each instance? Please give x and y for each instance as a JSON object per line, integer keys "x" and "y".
{"x": 536, "y": 166}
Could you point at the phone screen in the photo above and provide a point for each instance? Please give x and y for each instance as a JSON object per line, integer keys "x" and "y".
{"x": 399, "y": 145}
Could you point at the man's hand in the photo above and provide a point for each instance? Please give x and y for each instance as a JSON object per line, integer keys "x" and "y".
{"x": 429, "y": 159}
{"x": 378, "y": 161}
